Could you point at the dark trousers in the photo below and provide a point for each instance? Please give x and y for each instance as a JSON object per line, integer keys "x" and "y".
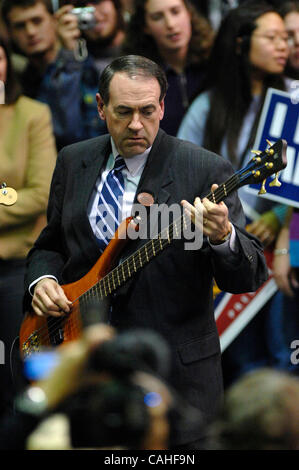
{"x": 11, "y": 297}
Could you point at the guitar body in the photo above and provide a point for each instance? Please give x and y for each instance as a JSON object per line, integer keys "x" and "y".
{"x": 37, "y": 332}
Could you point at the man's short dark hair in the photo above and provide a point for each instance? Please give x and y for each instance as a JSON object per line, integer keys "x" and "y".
{"x": 132, "y": 65}
{"x": 8, "y": 5}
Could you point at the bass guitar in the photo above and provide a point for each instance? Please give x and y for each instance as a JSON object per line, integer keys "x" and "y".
{"x": 105, "y": 276}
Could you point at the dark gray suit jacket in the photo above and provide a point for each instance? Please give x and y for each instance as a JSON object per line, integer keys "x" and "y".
{"x": 173, "y": 293}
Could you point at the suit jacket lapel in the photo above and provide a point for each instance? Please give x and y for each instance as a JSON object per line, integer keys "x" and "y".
{"x": 156, "y": 176}
{"x": 85, "y": 180}
{"x": 90, "y": 170}
{"x": 156, "y": 179}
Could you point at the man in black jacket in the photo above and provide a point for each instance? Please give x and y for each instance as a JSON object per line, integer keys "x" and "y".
{"x": 172, "y": 292}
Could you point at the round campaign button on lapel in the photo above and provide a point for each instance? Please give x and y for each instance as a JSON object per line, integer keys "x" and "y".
{"x": 146, "y": 199}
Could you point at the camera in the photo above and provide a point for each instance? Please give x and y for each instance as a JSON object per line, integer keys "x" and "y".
{"x": 85, "y": 16}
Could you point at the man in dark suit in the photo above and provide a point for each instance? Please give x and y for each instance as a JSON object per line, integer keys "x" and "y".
{"x": 172, "y": 293}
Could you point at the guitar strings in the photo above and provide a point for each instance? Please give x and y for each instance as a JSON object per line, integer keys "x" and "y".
{"x": 47, "y": 330}
{"x": 71, "y": 324}
{"x": 223, "y": 190}
{"x": 143, "y": 256}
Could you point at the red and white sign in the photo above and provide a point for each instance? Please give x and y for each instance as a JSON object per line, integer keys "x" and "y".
{"x": 234, "y": 311}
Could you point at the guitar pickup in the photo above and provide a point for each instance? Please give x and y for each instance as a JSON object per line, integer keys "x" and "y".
{"x": 56, "y": 331}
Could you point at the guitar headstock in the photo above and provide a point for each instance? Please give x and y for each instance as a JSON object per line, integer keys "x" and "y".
{"x": 8, "y": 196}
{"x": 264, "y": 164}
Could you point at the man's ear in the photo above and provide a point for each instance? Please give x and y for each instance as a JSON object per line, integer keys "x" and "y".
{"x": 101, "y": 107}
{"x": 162, "y": 109}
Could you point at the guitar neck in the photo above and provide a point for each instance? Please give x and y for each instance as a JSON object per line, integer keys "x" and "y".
{"x": 124, "y": 271}
{"x": 224, "y": 189}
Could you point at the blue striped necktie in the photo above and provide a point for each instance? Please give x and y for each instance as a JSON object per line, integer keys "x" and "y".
{"x": 110, "y": 203}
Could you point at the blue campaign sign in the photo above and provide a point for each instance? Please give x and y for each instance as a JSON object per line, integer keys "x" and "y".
{"x": 280, "y": 120}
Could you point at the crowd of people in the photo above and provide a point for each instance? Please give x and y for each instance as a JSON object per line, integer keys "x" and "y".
{"x": 168, "y": 87}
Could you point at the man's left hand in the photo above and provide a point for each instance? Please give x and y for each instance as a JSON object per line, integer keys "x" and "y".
{"x": 211, "y": 218}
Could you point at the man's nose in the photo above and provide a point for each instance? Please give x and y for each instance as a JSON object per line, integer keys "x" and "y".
{"x": 135, "y": 123}
{"x": 30, "y": 28}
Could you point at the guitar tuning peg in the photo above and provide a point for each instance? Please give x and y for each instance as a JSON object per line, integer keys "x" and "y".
{"x": 263, "y": 189}
{"x": 256, "y": 152}
{"x": 275, "y": 182}
{"x": 269, "y": 151}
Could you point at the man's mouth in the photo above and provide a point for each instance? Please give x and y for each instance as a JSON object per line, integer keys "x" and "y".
{"x": 33, "y": 42}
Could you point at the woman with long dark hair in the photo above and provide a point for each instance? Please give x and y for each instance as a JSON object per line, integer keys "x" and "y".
{"x": 177, "y": 37}
{"x": 28, "y": 156}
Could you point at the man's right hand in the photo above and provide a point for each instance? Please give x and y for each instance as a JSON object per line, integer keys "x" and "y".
{"x": 67, "y": 27}
{"x": 50, "y": 299}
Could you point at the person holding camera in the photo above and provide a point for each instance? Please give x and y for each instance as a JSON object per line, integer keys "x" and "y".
{"x": 97, "y": 27}
{"x": 66, "y": 81}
